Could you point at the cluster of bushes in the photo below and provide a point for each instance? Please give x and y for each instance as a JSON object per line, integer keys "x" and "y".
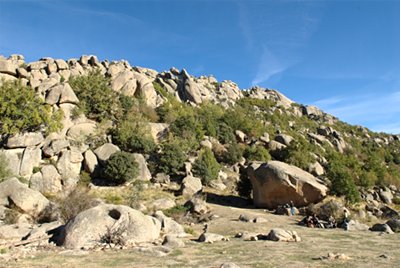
{"x": 22, "y": 110}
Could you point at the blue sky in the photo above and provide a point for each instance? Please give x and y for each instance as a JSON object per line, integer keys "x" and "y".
{"x": 343, "y": 56}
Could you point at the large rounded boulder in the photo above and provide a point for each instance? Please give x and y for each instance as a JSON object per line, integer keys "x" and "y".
{"x": 276, "y": 183}
{"x": 90, "y": 226}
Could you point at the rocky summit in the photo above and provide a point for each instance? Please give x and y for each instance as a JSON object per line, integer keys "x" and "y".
{"x": 99, "y": 155}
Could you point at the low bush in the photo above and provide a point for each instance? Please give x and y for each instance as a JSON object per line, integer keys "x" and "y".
{"x": 74, "y": 203}
{"x": 96, "y": 98}
{"x": 234, "y": 154}
{"x": 172, "y": 157}
{"x": 244, "y": 186}
{"x": 21, "y": 110}
{"x": 133, "y": 136}
{"x": 121, "y": 167}
{"x": 256, "y": 153}
{"x": 206, "y": 166}
{"x": 342, "y": 181}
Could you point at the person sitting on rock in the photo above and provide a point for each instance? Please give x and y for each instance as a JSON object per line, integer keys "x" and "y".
{"x": 310, "y": 222}
{"x": 331, "y": 222}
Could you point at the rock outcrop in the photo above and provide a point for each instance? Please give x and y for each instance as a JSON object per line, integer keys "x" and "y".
{"x": 89, "y": 226}
{"x": 13, "y": 192}
{"x": 276, "y": 183}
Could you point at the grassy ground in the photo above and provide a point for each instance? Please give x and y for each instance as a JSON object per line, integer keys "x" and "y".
{"x": 363, "y": 248}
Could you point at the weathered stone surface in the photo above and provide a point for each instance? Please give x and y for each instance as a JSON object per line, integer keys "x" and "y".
{"x": 90, "y": 161}
{"x": 354, "y": 225}
{"x": 25, "y": 140}
{"x": 229, "y": 265}
{"x": 30, "y": 159}
{"x": 173, "y": 242}
{"x": 8, "y": 67}
{"x": 163, "y": 203}
{"x": 275, "y": 146}
{"x": 197, "y": 205}
{"x": 42, "y": 230}
{"x": 22, "y": 73}
{"x": 49, "y": 180}
{"x": 55, "y": 147}
{"x": 121, "y": 80}
{"x": 168, "y": 225}
{"x": 69, "y": 164}
{"x": 15, "y": 231}
{"x": 13, "y": 156}
{"x": 282, "y": 235}
{"x": 386, "y": 196}
{"x": 67, "y": 94}
{"x": 6, "y": 78}
{"x": 316, "y": 169}
{"x": 146, "y": 90}
{"x": 87, "y": 228}
{"x": 312, "y": 111}
{"x": 61, "y": 64}
{"x": 79, "y": 131}
{"x": 158, "y": 131}
{"x": 284, "y": 139}
{"x": 105, "y": 151}
{"x": 191, "y": 185}
{"x": 27, "y": 200}
{"x": 211, "y": 238}
{"x": 192, "y": 91}
{"x": 276, "y": 183}
{"x": 144, "y": 172}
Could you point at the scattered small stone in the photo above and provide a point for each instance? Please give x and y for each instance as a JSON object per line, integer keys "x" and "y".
{"x": 334, "y": 256}
{"x": 211, "y": 238}
{"x": 260, "y": 220}
{"x": 244, "y": 217}
{"x": 229, "y": 265}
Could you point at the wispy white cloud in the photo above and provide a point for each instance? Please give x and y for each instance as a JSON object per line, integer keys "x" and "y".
{"x": 379, "y": 111}
{"x": 275, "y": 33}
{"x": 268, "y": 66}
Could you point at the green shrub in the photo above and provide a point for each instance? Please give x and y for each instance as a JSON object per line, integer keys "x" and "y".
{"x": 234, "y": 154}
{"x": 256, "y": 153}
{"x": 342, "y": 182}
{"x": 206, "y": 166}
{"x": 225, "y": 133}
{"x": 298, "y": 153}
{"x": 176, "y": 211}
{"x": 244, "y": 186}
{"x": 21, "y": 110}
{"x": 121, "y": 167}
{"x": 188, "y": 128}
{"x": 172, "y": 157}
{"x": 4, "y": 169}
{"x": 133, "y": 136}
{"x": 209, "y": 116}
{"x": 96, "y": 98}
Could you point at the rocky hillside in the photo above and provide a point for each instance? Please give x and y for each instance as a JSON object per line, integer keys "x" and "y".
{"x": 102, "y": 154}
{"x": 90, "y": 122}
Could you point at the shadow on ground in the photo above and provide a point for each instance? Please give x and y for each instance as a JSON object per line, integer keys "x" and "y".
{"x": 229, "y": 200}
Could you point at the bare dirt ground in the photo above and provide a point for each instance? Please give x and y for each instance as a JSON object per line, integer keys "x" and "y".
{"x": 364, "y": 248}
